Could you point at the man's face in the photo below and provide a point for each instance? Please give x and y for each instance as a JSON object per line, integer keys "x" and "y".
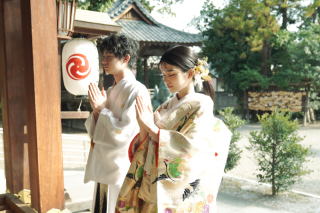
{"x": 111, "y": 64}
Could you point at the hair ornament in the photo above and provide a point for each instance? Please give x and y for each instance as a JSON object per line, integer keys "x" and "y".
{"x": 201, "y": 72}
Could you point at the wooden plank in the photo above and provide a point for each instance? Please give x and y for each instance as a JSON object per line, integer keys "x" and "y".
{"x": 17, "y": 205}
{"x": 94, "y": 29}
{"x": 7, "y": 211}
{"x": 2, "y": 201}
{"x": 75, "y": 115}
{"x": 13, "y": 97}
{"x": 40, "y": 48}
{"x": 4, "y": 207}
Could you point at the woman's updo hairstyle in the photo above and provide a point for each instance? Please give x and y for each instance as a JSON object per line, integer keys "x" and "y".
{"x": 186, "y": 59}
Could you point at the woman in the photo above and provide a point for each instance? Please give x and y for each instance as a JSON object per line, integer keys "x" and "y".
{"x": 178, "y": 158}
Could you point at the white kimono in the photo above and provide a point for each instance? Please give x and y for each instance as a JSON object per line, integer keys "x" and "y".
{"x": 108, "y": 161}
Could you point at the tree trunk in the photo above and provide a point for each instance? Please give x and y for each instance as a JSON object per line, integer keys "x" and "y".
{"x": 264, "y": 58}
{"x": 318, "y": 12}
{"x": 308, "y": 116}
{"x": 312, "y": 117}
{"x": 284, "y": 18}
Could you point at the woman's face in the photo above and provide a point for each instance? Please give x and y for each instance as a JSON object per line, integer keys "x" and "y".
{"x": 175, "y": 79}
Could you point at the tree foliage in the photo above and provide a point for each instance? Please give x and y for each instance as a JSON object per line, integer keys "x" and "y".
{"x": 226, "y": 54}
{"x": 278, "y": 152}
{"x": 244, "y": 44}
{"x": 297, "y": 57}
{"x": 233, "y": 122}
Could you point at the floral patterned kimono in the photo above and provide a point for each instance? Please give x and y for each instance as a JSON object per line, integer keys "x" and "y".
{"x": 183, "y": 170}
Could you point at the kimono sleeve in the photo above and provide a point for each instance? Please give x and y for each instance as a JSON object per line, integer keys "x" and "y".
{"x": 113, "y": 132}
{"x": 90, "y": 125}
{"x": 189, "y": 158}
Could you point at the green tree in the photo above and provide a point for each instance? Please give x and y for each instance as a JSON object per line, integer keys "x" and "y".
{"x": 311, "y": 13}
{"x": 299, "y": 60}
{"x": 233, "y": 122}
{"x": 226, "y": 54}
{"x": 254, "y": 20}
{"x": 278, "y": 152}
{"x": 104, "y": 5}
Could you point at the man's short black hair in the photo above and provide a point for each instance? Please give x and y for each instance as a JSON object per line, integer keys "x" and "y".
{"x": 120, "y": 45}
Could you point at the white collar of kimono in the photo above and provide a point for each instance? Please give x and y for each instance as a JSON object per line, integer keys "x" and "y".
{"x": 176, "y": 104}
{"x": 127, "y": 77}
{"x": 120, "y": 85}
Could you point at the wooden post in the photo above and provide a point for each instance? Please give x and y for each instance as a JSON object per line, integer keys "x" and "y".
{"x": 13, "y": 97}
{"x": 42, "y": 89}
{"x": 146, "y": 73}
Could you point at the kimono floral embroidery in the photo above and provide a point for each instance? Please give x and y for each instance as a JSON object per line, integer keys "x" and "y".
{"x": 210, "y": 198}
{"x": 167, "y": 210}
{"x": 183, "y": 121}
{"x": 206, "y": 209}
{"x": 121, "y": 203}
{"x": 199, "y": 206}
{"x": 217, "y": 126}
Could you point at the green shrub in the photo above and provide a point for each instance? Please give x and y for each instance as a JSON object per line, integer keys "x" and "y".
{"x": 233, "y": 122}
{"x": 277, "y": 149}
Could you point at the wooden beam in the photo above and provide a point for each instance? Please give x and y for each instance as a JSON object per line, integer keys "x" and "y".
{"x": 75, "y": 115}
{"x": 40, "y": 48}
{"x": 95, "y": 29}
{"x": 16, "y": 205}
{"x": 13, "y": 97}
{"x": 143, "y": 49}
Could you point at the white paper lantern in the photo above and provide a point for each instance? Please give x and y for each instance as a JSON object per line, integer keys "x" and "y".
{"x": 80, "y": 65}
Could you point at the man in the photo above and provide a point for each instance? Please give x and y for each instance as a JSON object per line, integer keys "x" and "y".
{"x": 113, "y": 124}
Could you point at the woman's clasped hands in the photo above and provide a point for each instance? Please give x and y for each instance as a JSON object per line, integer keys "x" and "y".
{"x": 145, "y": 119}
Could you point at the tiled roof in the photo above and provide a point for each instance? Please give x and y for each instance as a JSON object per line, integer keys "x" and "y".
{"x": 142, "y": 31}
{"x": 120, "y": 5}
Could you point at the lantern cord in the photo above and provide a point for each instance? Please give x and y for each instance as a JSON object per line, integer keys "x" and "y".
{"x": 79, "y": 110}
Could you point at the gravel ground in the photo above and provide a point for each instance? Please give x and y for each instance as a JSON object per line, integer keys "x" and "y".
{"x": 248, "y": 165}
{"x": 288, "y": 201}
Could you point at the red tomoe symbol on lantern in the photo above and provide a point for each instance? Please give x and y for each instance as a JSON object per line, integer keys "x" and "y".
{"x": 78, "y": 66}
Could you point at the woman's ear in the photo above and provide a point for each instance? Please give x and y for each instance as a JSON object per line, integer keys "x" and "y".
{"x": 190, "y": 73}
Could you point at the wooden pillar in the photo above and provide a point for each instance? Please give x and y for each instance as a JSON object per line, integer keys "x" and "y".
{"x": 42, "y": 89}
{"x": 13, "y": 97}
{"x": 146, "y": 73}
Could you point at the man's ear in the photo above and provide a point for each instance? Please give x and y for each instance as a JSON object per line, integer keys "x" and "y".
{"x": 126, "y": 58}
{"x": 190, "y": 73}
